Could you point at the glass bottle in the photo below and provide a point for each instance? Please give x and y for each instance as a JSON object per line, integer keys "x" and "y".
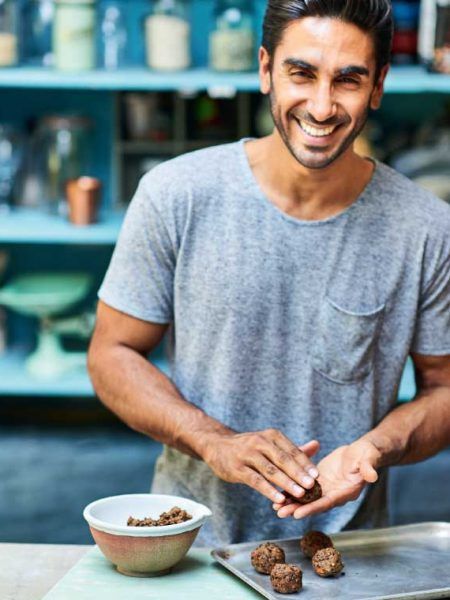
{"x": 8, "y": 33}
{"x": 231, "y": 43}
{"x": 168, "y": 33}
{"x": 74, "y": 35}
{"x": 59, "y": 151}
{"x": 37, "y": 33}
{"x": 11, "y": 155}
{"x": 113, "y": 36}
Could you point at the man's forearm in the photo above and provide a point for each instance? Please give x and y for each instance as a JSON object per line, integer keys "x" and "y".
{"x": 414, "y": 431}
{"x": 148, "y": 402}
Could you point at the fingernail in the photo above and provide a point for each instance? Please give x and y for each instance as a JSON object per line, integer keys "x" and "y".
{"x": 297, "y": 490}
{"x": 313, "y": 472}
{"x": 279, "y": 498}
{"x": 307, "y": 480}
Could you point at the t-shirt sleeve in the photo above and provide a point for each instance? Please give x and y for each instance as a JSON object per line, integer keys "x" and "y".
{"x": 139, "y": 280}
{"x": 432, "y": 333}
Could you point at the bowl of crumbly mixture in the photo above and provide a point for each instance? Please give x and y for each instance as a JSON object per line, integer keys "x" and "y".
{"x": 145, "y": 535}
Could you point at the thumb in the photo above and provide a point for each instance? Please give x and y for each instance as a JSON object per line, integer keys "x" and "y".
{"x": 368, "y": 472}
{"x": 310, "y": 448}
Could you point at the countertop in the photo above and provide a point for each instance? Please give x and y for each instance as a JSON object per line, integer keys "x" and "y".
{"x": 29, "y": 571}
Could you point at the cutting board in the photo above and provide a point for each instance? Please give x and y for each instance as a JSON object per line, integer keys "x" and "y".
{"x": 196, "y": 577}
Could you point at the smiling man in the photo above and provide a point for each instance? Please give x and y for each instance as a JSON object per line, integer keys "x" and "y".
{"x": 294, "y": 278}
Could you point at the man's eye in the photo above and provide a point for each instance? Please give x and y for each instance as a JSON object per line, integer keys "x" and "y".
{"x": 348, "y": 80}
{"x": 302, "y": 74}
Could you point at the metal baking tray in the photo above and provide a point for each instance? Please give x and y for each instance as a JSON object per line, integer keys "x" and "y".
{"x": 410, "y": 561}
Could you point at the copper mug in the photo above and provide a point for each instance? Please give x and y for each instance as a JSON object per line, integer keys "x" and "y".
{"x": 83, "y": 195}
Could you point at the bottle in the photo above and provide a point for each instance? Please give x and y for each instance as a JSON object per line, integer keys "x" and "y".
{"x": 8, "y": 33}
{"x": 231, "y": 43}
{"x": 114, "y": 37}
{"x": 74, "y": 35}
{"x": 168, "y": 32}
{"x": 37, "y": 17}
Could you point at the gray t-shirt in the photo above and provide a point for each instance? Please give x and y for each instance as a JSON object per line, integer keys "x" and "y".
{"x": 304, "y": 326}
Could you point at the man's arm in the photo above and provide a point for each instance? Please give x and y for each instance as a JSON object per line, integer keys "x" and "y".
{"x": 145, "y": 399}
{"x": 410, "y": 433}
{"x": 421, "y": 428}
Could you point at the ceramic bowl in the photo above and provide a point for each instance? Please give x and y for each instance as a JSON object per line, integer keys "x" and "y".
{"x": 143, "y": 551}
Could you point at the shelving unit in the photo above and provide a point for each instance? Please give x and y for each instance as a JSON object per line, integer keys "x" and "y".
{"x": 99, "y": 94}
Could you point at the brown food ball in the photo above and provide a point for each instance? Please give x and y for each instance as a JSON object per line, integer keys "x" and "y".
{"x": 265, "y": 556}
{"x": 327, "y": 562}
{"x": 314, "y": 541}
{"x": 309, "y": 496}
{"x": 286, "y": 579}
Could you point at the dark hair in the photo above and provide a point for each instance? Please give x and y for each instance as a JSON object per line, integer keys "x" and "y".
{"x": 372, "y": 16}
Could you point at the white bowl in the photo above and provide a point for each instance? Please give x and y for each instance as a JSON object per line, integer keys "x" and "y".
{"x": 143, "y": 551}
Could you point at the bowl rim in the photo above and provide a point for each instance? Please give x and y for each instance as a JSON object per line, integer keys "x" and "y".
{"x": 125, "y": 530}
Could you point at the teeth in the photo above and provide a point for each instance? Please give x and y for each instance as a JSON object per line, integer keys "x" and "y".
{"x": 316, "y": 132}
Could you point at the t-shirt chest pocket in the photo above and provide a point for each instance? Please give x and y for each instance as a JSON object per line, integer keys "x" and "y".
{"x": 345, "y": 342}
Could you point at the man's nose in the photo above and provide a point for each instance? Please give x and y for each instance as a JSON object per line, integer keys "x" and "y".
{"x": 321, "y": 104}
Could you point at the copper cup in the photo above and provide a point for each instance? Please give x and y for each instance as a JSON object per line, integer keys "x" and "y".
{"x": 83, "y": 195}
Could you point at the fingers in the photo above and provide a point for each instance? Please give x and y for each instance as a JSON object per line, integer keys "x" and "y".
{"x": 311, "y": 448}
{"x": 290, "y": 459}
{"x": 256, "y": 481}
{"x": 277, "y": 476}
{"x": 368, "y": 472}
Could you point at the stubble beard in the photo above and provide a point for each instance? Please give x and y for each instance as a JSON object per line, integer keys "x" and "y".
{"x": 318, "y": 163}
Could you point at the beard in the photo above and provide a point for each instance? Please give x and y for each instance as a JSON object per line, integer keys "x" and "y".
{"x": 316, "y": 157}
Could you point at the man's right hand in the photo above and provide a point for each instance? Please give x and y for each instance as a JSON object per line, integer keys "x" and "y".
{"x": 262, "y": 460}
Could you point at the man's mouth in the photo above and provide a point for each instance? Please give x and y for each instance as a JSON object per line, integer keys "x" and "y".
{"x": 317, "y": 132}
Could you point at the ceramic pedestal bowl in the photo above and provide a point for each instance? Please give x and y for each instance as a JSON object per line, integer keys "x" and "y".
{"x": 143, "y": 551}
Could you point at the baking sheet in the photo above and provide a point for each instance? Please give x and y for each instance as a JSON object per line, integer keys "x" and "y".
{"x": 410, "y": 561}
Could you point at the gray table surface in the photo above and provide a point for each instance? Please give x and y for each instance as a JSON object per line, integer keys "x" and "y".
{"x": 29, "y": 571}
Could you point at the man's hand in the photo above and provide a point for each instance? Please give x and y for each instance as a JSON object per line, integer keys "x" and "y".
{"x": 262, "y": 460}
{"x": 343, "y": 475}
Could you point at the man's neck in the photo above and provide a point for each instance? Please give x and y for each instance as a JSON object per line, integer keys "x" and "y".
{"x": 307, "y": 194}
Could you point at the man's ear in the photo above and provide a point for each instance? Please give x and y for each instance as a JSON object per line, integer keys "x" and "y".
{"x": 264, "y": 71}
{"x": 378, "y": 90}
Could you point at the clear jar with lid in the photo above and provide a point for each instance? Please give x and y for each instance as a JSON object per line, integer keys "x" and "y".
{"x": 37, "y": 19}
{"x": 168, "y": 36}
{"x": 59, "y": 151}
{"x": 74, "y": 35}
{"x": 231, "y": 43}
{"x": 9, "y": 39}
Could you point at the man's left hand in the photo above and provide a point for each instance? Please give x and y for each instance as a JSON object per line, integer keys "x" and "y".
{"x": 343, "y": 475}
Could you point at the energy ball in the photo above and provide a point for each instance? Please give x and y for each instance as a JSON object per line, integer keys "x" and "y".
{"x": 311, "y": 495}
{"x": 265, "y": 556}
{"x": 286, "y": 579}
{"x": 314, "y": 541}
{"x": 327, "y": 562}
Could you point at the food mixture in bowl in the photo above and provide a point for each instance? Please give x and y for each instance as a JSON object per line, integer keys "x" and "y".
{"x": 172, "y": 517}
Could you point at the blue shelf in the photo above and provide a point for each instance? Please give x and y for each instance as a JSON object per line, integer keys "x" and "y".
{"x": 15, "y": 380}
{"x": 24, "y": 226}
{"x": 412, "y": 79}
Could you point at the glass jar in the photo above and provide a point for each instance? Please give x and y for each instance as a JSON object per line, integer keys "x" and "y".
{"x": 9, "y": 53}
{"x": 74, "y": 35}
{"x": 11, "y": 155}
{"x": 231, "y": 43}
{"x": 168, "y": 33}
{"x": 59, "y": 151}
{"x": 38, "y": 18}
{"x": 113, "y": 36}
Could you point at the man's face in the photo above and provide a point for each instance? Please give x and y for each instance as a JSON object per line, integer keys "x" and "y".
{"x": 321, "y": 86}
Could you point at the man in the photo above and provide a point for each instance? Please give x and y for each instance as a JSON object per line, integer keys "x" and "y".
{"x": 294, "y": 278}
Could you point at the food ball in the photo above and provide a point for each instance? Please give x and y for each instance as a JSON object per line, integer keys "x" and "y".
{"x": 327, "y": 562}
{"x": 314, "y": 541}
{"x": 311, "y": 495}
{"x": 265, "y": 556}
{"x": 286, "y": 579}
